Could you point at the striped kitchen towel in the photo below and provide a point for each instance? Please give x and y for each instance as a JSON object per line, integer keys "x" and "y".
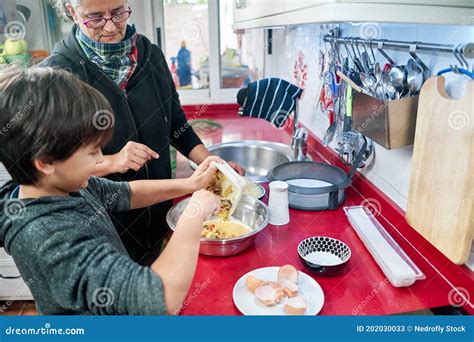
{"x": 272, "y": 99}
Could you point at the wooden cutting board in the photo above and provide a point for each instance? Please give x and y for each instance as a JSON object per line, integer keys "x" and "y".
{"x": 441, "y": 193}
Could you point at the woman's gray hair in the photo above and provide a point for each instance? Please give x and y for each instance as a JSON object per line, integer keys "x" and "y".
{"x": 61, "y": 6}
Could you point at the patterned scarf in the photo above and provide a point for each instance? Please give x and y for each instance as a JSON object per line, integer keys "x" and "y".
{"x": 118, "y": 60}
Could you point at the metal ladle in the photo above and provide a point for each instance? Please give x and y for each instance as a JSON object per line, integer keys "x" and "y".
{"x": 418, "y": 60}
{"x": 369, "y": 82}
{"x": 398, "y": 78}
{"x": 392, "y": 93}
{"x": 414, "y": 77}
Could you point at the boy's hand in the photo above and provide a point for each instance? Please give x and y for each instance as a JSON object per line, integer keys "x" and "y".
{"x": 133, "y": 157}
{"x": 202, "y": 205}
{"x": 204, "y": 173}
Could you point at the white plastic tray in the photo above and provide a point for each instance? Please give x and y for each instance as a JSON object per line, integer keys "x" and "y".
{"x": 237, "y": 181}
{"x": 394, "y": 262}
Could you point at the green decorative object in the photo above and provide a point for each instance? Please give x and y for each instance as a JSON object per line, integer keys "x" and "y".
{"x": 23, "y": 59}
{"x": 173, "y": 161}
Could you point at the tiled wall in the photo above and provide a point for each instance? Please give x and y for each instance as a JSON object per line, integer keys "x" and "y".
{"x": 391, "y": 169}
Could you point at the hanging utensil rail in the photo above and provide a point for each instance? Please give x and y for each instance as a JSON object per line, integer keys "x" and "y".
{"x": 464, "y": 50}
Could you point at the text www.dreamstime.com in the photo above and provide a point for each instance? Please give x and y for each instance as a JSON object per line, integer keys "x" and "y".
{"x": 46, "y": 330}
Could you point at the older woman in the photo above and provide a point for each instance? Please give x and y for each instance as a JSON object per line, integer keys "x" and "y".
{"x": 132, "y": 73}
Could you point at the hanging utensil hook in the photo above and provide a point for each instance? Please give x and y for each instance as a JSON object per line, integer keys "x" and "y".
{"x": 351, "y": 42}
{"x": 412, "y": 51}
{"x": 460, "y": 56}
{"x": 345, "y": 41}
{"x": 383, "y": 53}
{"x": 364, "y": 45}
{"x": 372, "y": 51}
{"x": 357, "y": 47}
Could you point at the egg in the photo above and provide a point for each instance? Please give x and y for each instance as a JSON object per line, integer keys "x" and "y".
{"x": 296, "y": 306}
{"x": 266, "y": 294}
{"x": 288, "y": 272}
{"x": 252, "y": 283}
{"x": 290, "y": 288}
{"x": 270, "y": 293}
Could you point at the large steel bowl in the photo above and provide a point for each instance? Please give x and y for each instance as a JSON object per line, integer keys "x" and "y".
{"x": 257, "y": 157}
{"x": 250, "y": 211}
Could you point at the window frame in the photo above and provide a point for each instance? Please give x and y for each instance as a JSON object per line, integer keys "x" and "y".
{"x": 215, "y": 94}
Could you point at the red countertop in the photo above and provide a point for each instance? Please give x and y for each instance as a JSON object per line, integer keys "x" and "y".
{"x": 362, "y": 288}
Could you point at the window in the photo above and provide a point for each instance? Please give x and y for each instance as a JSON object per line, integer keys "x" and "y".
{"x": 208, "y": 60}
{"x": 241, "y": 53}
{"x": 186, "y": 42}
{"x": 30, "y": 22}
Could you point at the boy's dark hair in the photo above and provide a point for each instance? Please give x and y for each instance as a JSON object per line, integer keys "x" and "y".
{"x": 47, "y": 114}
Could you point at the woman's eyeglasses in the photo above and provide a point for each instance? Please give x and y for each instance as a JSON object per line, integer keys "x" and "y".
{"x": 101, "y": 22}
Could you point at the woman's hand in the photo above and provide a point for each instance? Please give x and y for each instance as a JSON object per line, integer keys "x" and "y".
{"x": 239, "y": 169}
{"x": 203, "y": 175}
{"x": 132, "y": 157}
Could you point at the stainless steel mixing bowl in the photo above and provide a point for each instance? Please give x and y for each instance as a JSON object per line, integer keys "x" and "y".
{"x": 250, "y": 211}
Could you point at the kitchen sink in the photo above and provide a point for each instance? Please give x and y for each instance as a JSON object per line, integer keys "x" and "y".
{"x": 257, "y": 157}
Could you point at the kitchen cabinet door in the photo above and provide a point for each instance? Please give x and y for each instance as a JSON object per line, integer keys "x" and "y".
{"x": 291, "y": 5}
{"x": 296, "y": 12}
{"x": 13, "y": 289}
{"x": 12, "y": 286}
{"x": 252, "y": 9}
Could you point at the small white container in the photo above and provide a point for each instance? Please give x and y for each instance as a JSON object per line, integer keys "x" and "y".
{"x": 278, "y": 204}
{"x": 397, "y": 266}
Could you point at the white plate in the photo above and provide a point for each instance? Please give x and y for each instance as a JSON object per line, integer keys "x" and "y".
{"x": 249, "y": 305}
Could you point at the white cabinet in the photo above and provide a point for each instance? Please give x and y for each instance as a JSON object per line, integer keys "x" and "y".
{"x": 255, "y": 13}
{"x": 299, "y": 4}
{"x": 245, "y": 10}
{"x": 13, "y": 289}
{"x": 12, "y": 286}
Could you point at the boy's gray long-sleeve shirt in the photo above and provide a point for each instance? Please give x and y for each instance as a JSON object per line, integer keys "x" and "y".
{"x": 71, "y": 257}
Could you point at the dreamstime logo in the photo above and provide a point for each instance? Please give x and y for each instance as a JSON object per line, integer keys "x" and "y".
{"x": 281, "y": 120}
{"x": 200, "y": 110}
{"x": 375, "y": 114}
{"x": 14, "y": 209}
{"x": 22, "y": 110}
{"x": 372, "y": 205}
{"x": 453, "y": 37}
{"x": 370, "y": 30}
{"x": 458, "y": 120}
{"x": 103, "y": 297}
{"x": 193, "y": 210}
{"x": 110, "y": 202}
{"x": 276, "y": 34}
{"x": 192, "y": 31}
{"x": 198, "y": 289}
{"x": 458, "y": 297}
{"x": 15, "y": 30}
{"x": 373, "y": 294}
{"x": 103, "y": 120}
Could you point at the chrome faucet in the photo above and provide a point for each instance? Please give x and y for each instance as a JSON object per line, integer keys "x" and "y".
{"x": 299, "y": 139}
{"x": 299, "y": 144}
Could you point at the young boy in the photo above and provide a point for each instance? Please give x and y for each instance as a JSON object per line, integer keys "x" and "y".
{"x": 54, "y": 215}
